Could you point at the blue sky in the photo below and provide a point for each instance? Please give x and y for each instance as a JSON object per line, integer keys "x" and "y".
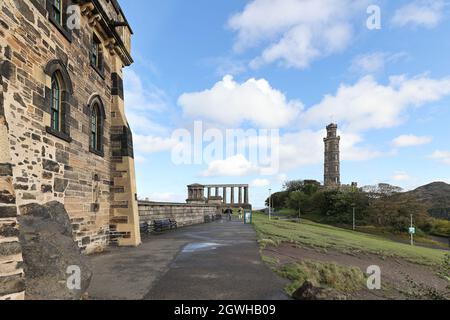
{"x": 294, "y": 66}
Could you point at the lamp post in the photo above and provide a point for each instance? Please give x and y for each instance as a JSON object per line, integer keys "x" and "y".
{"x": 270, "y": 204}
{"x": 354, "y": 217}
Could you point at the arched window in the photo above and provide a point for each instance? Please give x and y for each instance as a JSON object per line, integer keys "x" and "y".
{"x": 58, "y": 99}
{"x": 96, "y": 128}
{"x": 97, "y": 117}
{"x": 56, "y": 103}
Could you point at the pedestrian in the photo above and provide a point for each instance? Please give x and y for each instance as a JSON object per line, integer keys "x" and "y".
{"x": 241, "y": 213}
{"x": 229, "y": 212}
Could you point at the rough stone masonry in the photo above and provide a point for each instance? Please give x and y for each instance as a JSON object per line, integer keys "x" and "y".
{"x": 64, "y": 136}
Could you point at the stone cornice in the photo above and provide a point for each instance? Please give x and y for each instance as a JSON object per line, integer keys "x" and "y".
{"x": 96, "y": 14}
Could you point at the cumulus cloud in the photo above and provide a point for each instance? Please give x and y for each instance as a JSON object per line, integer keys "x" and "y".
{"x": 370, "y": 105}
{"x": 411, "y": 141}
{"x": 426, "y": 13}
{"x": 153, "y": 144}
{"x": 236, "y": 166}
{"x": 231, "y": 103}
{"x": 442, "y": 156}
{"x": 295, "y": 32}
{"x": 306, "y": 148}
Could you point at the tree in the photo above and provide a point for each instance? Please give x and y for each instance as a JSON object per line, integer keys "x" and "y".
{"x": 278, "y": 200}
{"x": 308, "y": 187}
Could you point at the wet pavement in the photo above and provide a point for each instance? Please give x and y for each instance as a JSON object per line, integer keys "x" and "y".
{"x": 215, "y": 261}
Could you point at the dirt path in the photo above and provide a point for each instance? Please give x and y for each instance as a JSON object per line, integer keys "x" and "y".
{"x": 394, "y": 271}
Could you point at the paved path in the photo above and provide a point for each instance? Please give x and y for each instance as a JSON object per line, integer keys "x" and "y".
{"x": 216, "y": 261}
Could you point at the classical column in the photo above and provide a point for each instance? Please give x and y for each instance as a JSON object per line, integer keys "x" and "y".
{"x": 240, "y": 195}
{"x": 246, "y": 195}
{"x": 217, "y": 191}
{"x": 209, "y": 193}
{"x": 224, "y": 195}
{"x": 232, "y": 196}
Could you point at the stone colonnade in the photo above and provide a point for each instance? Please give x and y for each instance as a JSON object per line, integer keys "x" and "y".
{"x": 239, "y": 193}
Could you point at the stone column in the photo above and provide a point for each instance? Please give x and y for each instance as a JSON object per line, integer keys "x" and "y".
{"x": 246, "y": 200}
{"x": 224, "y": 195}
{"x": 232, "y": 196}
{"x": 217, "y": 191}
{"x": 209, "y": 193}
{"x": 240, "y": 195}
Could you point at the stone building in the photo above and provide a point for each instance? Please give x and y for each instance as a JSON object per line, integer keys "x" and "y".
{"x": 332, "y": 168}
{"x": 63, "y": 132}
{"x": 218, "y": 194}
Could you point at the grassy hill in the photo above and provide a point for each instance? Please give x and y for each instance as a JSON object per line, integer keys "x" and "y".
{"x": 324, "y": 237}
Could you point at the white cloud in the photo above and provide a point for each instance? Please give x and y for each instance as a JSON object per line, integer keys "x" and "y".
{"x": 139, "y": 159}
{"x": 295, "y": 32}
{"x": 306, "y": 148}
{"x": 260, "y": 183}
{"x": 140, "y": 97}
{"x": 153, "y": 144}
{"x": 232, "y": 104}
{"x": 426, "y": 13}
{"x": 370, "y": 105}
{"x": 401, "y": 176}
{"x": 236, "y": 166}
{"x": 374, "y": 62}
{"x": 443, "y": 156}
{"x": 411, "y": 141}
{"x": 164, "y": 197}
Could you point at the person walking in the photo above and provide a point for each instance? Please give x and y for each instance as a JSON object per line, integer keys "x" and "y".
{"x": 229, "y": 213}
{"x": 241, "y": 213}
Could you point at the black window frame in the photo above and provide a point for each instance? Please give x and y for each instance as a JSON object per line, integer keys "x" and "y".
{"x": 97, "y": 109}
{"x": 57, "y": 70}
{"x": 61, "y": 25}
{"x": 56, "y": 103}
{"x": 97, "y": 53}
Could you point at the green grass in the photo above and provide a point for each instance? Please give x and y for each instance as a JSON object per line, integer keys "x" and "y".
{"x": 329, "y": 275}
{"x": 320, "y": 236}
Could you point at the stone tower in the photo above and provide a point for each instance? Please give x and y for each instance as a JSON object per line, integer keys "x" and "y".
{"x": 332, "y": 157}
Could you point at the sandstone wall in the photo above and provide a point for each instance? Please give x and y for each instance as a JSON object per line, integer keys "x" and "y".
{"x": 12, "y": 285}
{"x": 184, "y": 214}
{"x": 97, "y": 190}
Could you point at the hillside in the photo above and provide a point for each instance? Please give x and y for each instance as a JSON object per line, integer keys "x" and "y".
{"x": 435, "y": 195}
{"x": 337, "y": 259}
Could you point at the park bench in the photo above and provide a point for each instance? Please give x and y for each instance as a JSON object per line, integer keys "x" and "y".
{"x": 163, "y": 225}
{"x": 158, "y": 226}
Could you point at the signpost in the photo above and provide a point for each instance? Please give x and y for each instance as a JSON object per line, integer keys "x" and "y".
{"x": 248, "y": 217}
{"x": 412, "y": 231}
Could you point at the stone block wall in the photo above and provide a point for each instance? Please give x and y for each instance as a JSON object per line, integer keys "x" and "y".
{"x": 97, "y": 189}
{"x": 12, "y": 285}
{"x": 184, "y": 214}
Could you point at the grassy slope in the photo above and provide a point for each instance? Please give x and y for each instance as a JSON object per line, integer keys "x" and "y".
{"x": 327, "y": 237}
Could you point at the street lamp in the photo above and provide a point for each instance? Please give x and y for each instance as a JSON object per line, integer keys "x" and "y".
{"x": 354, "y": 217}
{"x": 270, "y": 204}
